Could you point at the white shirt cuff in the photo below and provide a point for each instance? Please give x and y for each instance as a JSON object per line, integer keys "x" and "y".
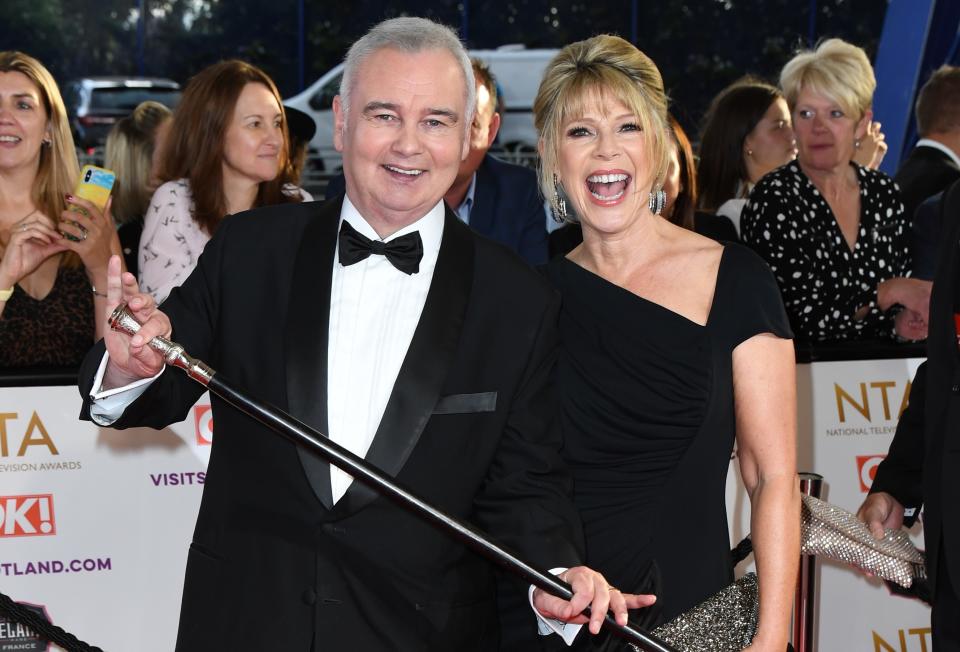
{"x": 106, "y": 406}
{"x": 547, "y": 626}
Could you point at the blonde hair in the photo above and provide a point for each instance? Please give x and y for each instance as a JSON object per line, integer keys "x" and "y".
{"x": 58, "y": 170}
{"x": 601, "y": 67}
{"x": 129, "y": 153}
{"x": 838, "y": 70}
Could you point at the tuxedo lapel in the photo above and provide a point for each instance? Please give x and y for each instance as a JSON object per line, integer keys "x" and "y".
{"x": 425, "y": 367}
{"x": 305, "y": 334}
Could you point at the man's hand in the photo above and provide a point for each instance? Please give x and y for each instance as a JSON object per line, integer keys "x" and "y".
{"x": 130, "y": 357}
{"x": 589, "y": 589}
{"x": 881, "y": 511}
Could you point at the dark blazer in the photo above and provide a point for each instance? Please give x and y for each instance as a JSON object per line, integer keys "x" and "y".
{"x": 507, "y": 207}
{"x": 924, "y": 173}
{"x": 925, "y": 238}
{"x": 923, "y": 464}
{"x": 469, "y": 427}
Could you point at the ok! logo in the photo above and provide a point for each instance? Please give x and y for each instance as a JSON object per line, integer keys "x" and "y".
{"x": 25, "y": 516}
{"x": 203, "y": 418}
{"x": 867, "y": 470}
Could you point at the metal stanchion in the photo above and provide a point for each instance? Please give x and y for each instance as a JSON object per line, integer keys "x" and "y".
{"x": 804, "y": 606}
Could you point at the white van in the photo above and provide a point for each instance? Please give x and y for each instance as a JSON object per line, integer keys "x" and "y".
{"x": 518, "y": 72}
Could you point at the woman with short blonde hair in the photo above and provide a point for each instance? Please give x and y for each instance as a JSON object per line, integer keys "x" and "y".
{"x": 673, "y": 346}
{"x": 834, "y": 232}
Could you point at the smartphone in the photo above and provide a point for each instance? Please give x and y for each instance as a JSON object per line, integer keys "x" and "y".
{"x": 94, "y": 185}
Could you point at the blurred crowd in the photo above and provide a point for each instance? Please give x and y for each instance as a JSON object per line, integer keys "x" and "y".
{"x": 789, "y": 169}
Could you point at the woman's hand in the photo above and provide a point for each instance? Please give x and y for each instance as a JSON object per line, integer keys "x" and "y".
{"x": 32, "y": 240}
{"x": 92, "y": 235}
{"x": 911, "y": 293}
{"x": 871, "y": 149}
{"x": 910, "y": 325}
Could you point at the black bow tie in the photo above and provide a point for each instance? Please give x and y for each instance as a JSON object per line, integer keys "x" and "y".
{"x": 404, "y": 252}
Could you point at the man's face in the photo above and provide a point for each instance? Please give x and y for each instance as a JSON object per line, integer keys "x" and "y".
{"x": 404, "y": 137}
{"x": 483, "y": 131}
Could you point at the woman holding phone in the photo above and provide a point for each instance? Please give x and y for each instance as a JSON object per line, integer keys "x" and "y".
{"x": 226, "y": 153}
{"x": 53, "y": 260}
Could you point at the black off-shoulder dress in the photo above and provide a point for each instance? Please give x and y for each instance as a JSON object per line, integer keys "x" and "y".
{"x": 648, "y": 425}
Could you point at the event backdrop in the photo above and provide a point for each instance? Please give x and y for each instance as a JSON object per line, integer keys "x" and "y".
{"x": 95, "y": 523}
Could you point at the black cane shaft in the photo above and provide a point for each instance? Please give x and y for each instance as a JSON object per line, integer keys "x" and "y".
{"x": 306, "y": 436}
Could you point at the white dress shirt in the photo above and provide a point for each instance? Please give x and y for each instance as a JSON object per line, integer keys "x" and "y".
{"x": 374, "y": 310}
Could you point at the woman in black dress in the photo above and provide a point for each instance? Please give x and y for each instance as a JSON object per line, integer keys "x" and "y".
{"x": 673, "y": 347}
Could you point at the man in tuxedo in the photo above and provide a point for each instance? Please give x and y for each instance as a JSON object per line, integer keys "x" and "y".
{"x": 922, "y": 467}
{"x": 935, "y": 161}
{"x": 381, "y": 320}
{"x": 497, "y": 199}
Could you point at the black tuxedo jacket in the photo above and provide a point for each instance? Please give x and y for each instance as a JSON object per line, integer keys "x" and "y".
{"x": 469, "y": 427}
{"x": 924, "y": 173}
{"x": 923, "y": 464}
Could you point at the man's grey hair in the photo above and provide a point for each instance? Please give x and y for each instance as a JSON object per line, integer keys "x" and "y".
{"x": 411, "y": 35}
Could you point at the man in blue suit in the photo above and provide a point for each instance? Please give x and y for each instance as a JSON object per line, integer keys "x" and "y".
{"x": 497, "y": 199}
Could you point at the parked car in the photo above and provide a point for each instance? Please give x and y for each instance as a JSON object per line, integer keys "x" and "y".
{"x": 94, "y": 104}
{"x": 518, "y": 72}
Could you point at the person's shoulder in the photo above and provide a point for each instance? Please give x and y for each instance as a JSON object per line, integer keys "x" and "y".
{"x": 786, "y": 178}
{"x": 877, "y": 182}
{"x": 175, "y": 192}
{"x": 280, "y": 219}
{"x": 507, "y": 172}
{"x": 873, "y": 176}
{"x": 744, "y": 260}
{"x": 500, "y": 264}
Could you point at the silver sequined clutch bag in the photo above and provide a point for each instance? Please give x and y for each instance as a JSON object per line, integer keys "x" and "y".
{"x": 829, "y": 531}
{"x": 726, "y": 622}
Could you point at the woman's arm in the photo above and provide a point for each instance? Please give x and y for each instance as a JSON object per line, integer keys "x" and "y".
{"x": 167, "y": 246}
{"x": 764, "y": 385}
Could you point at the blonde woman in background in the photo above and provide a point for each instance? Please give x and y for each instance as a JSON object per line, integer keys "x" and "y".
{"x": 134, "y": 152}
{"x": 53, "y": 270}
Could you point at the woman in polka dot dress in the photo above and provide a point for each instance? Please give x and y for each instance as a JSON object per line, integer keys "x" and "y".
{"x": 833, "y": 232}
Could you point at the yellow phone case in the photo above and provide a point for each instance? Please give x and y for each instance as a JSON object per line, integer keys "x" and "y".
{"x": 95, "y": 184}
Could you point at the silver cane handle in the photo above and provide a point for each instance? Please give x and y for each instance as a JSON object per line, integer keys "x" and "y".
{"x": 122, "y": 320}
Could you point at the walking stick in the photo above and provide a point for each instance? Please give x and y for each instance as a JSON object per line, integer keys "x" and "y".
{"x": 303, "y": 435}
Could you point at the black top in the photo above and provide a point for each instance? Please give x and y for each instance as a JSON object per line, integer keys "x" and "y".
{"x": 56, "y": 331}
{"x": 647, "y": 413}
{"x": 129, "y": 234}
{"x": 823, "y": 282}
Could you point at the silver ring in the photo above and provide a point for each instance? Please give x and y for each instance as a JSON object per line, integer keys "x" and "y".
{"x": 23, "y": 227}
{"x": 83, "y": 233}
